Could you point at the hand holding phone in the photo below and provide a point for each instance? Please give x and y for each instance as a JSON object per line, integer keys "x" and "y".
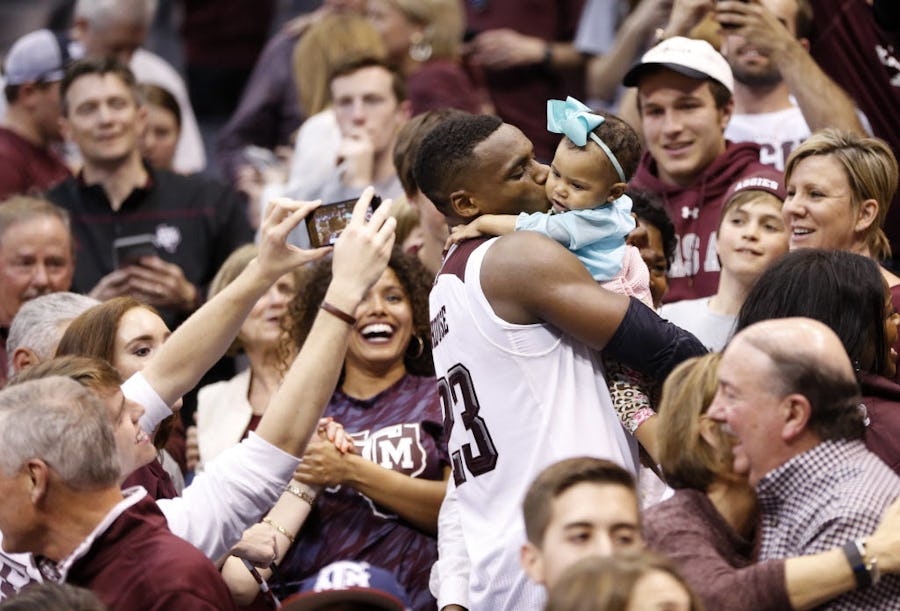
{"x": 326, "y": 222}
{"x": 128, "y": 250}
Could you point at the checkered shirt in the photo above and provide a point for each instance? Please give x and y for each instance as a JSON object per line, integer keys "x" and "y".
{"x": 823, "y": 498}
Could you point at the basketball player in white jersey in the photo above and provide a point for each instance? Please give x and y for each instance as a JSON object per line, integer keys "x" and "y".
{"x": 516, "y": 322}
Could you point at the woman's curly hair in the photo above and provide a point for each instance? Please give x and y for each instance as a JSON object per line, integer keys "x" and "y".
{"x": 416, "y": 282}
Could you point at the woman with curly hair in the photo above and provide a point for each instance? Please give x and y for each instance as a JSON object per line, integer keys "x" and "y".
{"x": 379, "y": 499}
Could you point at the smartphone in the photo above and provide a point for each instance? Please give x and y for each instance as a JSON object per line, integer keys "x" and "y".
{"x": 129, "y": 250}
{"x": 326, "y": 222}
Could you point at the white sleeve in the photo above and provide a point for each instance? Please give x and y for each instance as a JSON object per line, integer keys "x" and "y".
{"x": 138, "y": 389}
{"x": 233, "y": 493}
{"x": 449, "y": 581}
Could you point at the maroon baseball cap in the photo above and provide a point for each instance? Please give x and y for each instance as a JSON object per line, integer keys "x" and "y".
{"x": 768, "y": 179}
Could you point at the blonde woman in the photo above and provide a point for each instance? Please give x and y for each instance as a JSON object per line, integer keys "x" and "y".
{"x": 839, "y": 189}
{"x": 423, "y": 39}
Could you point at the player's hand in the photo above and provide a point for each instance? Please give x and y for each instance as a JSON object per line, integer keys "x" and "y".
{"x": 461, "y": 233}
{"x": 161, "y": 284}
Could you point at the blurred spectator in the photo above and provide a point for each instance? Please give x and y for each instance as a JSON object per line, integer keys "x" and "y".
{"x": 222, "y": 41}
{"x": 858, "y": 44}
{"x": 655, "y": 237}
{"x": 36, "y": 257}
{"x": 268, "y": 113}
{"x": 193, "y": 223}
{"x": 636, "y": 580}
{"x": 527, "y": 56}
{"x": 160, "y": 138}
{"x": 781, "y": 95}
{"x": 119, "y": 27}
{"x": 615, "y": 41}
{"x": 423, "y": 39}
{"x": 370, "y": 106}
{"x": 30, "y": 133}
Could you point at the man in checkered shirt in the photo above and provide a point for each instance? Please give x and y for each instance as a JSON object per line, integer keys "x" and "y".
{"x": 788, "y": 395}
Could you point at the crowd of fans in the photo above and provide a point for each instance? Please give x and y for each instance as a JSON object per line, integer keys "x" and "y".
{"x": 429, "y": 332}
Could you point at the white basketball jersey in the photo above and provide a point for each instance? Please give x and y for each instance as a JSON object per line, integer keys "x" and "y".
{"x": 516, "y": 398}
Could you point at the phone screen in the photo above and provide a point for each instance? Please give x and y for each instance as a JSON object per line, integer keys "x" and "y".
{"x": 326, "y": 222}
{"x": 129, "y": 250}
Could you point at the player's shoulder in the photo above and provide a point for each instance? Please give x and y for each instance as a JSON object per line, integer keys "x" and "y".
{"x": 529, "y": 250}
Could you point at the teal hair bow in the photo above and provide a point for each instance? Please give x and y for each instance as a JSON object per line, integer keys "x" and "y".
{"x": 576, "y": 121}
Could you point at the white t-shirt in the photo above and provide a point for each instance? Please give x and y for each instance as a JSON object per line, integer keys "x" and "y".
{"x": 713, "y": 330}
{"x": 778, "y": 133}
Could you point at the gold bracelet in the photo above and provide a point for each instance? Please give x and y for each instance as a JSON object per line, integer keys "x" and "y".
{"x": 300, "y": 494}
{"x": 279, "y": 528}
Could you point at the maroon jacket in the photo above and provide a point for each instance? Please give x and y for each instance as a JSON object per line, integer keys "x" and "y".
{"x": 137, "y": 564}
{"x": 695, "y": 212}
{"x": 882, "y": 400}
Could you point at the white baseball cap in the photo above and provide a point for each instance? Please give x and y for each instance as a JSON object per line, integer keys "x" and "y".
{"x": 39, "y": 56}
{"x": 688, "y": 56}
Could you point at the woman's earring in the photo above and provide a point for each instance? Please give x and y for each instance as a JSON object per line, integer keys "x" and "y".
{"x": 421, "y": 349}
{"x": 419, "y": 48}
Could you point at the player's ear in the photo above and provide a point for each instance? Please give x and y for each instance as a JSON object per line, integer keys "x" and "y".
{"x": 463, "y": 205}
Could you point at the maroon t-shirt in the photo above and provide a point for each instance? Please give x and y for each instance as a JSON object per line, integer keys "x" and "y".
{"x": 399, "y": 428}
{"x": 26, "y": 168}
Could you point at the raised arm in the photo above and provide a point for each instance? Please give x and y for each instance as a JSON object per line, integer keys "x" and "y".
{"x": 821, "y": 100}
{"x": 360, "y": 256}
{"x": 204, "y": 337}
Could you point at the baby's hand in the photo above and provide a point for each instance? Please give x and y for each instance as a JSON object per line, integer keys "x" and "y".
{"x": 461, "y": 233}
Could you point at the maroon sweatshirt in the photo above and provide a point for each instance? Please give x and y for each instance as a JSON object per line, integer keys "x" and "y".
{"x": 695, "y": 211}
{"x": 137, "y": 564}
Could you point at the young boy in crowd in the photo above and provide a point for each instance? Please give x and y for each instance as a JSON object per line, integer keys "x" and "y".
{"x": 750, "y": 237}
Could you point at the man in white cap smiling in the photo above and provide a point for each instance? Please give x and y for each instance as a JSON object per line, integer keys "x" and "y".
{"x": 685, "y": 100}
{"x": 32, "y": 71}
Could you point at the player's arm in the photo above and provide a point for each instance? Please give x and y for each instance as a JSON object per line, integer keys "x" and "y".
{"x": 529, "y": 279}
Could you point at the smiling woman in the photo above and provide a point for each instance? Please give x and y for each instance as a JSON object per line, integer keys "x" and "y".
{"x": 839, "y": 188}
{"x": 380, "y": 500}
{"x": 126, "y": 333}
